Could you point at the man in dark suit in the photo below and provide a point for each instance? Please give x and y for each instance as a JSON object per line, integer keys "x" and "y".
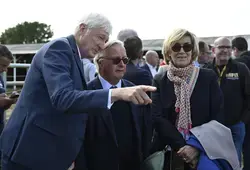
{"x": 47, "y": 127}
{"x": 119, "y": 140}
{"x": 135, "y": 74}
{"x": 152, "y": 62}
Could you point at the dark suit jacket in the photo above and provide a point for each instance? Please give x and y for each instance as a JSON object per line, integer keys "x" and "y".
{"x": 206, "y": 104}
{"x": 47, "y": 127}
{"x": 137, "y": 75}
{"x": 145, "y": 67}
{"x": 101, "y": 150}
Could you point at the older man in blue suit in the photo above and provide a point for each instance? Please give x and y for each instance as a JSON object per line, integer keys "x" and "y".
{"x": 47, "y": 127}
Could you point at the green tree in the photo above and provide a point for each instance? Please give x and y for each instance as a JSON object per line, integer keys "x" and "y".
{"x": 27, "y": 33}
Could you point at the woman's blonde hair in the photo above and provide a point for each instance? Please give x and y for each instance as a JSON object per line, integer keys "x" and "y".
{"x": 174, "y": 37}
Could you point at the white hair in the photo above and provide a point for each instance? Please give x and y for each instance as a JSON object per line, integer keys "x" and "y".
{"x": 149, "y": 54}
{"x": 108, "y": 45}
{"x": 95, "y": 20}
{"x": 125, "y": 34}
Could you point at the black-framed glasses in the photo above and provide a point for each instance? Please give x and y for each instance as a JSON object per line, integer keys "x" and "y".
{"x": 186, "y": 47}
{"x": 223, "y": 47}
{"x": 117, "y": 60}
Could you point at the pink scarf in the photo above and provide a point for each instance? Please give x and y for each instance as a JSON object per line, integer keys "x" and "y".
{"x": 184, "y": 80}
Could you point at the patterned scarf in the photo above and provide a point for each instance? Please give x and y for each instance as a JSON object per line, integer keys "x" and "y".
{"x": 184, "y": 80}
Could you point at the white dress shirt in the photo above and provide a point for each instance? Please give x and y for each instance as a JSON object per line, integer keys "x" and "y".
{"x": 152, "y": 69}
{"x": 107, "y": 85}
{"x": 89, "y": 70}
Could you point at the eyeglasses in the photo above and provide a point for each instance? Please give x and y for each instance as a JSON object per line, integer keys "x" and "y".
{"x": 223, "y": 47}
{"x": 117, "y": 60}
{"x": 186, "y": 47}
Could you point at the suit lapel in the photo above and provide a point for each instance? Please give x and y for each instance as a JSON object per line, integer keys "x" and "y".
{"x": 72, "y": 43}
{"x": 148, "y": 69}
{"x": 106, "y": 115}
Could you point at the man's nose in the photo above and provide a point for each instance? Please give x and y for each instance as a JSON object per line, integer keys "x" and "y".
{"x": 101, "y": 45}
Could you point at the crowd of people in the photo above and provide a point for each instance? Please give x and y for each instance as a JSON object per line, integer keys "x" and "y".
{"x": 90, "y": 103}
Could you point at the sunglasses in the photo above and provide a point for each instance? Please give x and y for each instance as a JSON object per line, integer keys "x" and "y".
{"x": 186, "y": 47}
{"x": 117, "y": 60}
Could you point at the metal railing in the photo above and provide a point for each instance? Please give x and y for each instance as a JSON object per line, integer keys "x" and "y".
{"x": 14, "y": 83}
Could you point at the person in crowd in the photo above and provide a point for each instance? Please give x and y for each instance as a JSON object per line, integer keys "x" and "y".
{"x": 126, "y": 33}
{"x": 135, "y": 74}
{"x": 118, "y": 138}
{"x": 5, "y": 101}
{"x": 47, "y": 127}
{"x": 240, "y": 50}
{"x": 187, "y": 96}
{"x": 234, "y": 80}
{"x": 204, "y": 54}
{"x": 152, "y": 62}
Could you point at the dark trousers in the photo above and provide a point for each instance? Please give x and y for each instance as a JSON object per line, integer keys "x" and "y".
{"x": 246, "y": 149}
{"x": 238, "y": 133}
{"x": 7, "y": 164}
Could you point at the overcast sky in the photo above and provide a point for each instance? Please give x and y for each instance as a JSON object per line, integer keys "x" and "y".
{"x": 151, "y": 19}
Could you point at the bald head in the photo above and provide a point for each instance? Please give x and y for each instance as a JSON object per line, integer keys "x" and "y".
{"x": 152, "y": 58}
{"x": 222, "y": 40}
{"x": 222, "y": 50}
{"x": 125, "y": 34}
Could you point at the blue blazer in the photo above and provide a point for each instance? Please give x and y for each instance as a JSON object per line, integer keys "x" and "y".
{"x": 137, "y": 75}
{"x": 47, "y": 127}
{"x": 101, "y": 149}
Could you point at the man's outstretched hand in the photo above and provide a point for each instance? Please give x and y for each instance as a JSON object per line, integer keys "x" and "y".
{"x": 135, "y": 94}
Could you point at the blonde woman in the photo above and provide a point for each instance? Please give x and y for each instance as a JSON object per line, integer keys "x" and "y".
{"x": 187, "y": 96}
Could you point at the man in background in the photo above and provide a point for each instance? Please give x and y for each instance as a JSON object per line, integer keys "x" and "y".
{"x": 240, "y": 51}
{"x": 5, "y": 101}
{"x": 152, "y": 62}
{"x": 204, "y": 54}
{"x": 126, "y": 33}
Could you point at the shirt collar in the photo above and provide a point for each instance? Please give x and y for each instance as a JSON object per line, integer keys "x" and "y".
{"x": 107, "y": 85}
{"x": 150, "y": 66}
{"x": 86, "y": 60}
{"x": 78, "y": 51}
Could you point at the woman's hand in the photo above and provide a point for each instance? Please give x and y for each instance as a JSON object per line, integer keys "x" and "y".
{"x": 193, "y": 163}
{"x": 188, "y": 153}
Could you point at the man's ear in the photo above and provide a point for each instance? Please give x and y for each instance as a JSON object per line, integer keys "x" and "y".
{"x": 235, "y": 50}
{"x": 213, "y": 49}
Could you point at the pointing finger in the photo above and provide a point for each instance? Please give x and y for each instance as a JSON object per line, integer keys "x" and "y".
{"x": 148, "y": 88}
